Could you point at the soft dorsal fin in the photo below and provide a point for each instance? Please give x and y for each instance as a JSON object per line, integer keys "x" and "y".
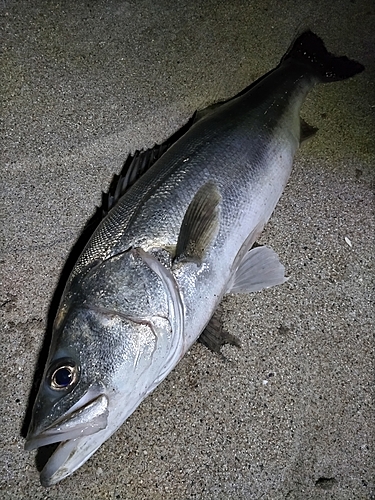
{"x": 200, "y": 224}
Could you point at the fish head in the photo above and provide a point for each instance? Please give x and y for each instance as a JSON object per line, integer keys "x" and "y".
{"x": 101, "y": 365}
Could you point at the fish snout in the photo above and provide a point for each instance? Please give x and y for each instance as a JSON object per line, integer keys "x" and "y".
{"x": 88, "y": 419}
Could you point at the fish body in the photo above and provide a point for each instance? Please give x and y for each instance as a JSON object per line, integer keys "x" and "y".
{"x": 158, "y": 265}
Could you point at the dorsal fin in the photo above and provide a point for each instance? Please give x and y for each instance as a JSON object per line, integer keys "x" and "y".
{"x": 136, "y": 165}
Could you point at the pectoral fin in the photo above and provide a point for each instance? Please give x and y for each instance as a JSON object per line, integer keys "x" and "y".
{"x": 200, "y": 224}
{"x": 260, "y": 268}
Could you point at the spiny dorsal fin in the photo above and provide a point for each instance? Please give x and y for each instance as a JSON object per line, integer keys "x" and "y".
{"x": 136, "y": 165}
{"x": 200, "y": 224}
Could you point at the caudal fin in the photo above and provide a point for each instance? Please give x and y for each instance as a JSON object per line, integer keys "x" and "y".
{"x": 310, "y": 50}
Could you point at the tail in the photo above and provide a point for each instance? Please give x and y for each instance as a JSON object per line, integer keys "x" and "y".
{"x": 310, "y": 50}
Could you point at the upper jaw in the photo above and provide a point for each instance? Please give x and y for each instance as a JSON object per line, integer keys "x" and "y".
{"x": 88, "y": 416}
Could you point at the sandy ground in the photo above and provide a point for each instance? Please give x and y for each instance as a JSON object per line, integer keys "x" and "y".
{"x": 290, "y": 415}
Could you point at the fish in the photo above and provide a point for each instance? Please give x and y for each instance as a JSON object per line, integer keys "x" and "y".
{"x": 178, "y": 234}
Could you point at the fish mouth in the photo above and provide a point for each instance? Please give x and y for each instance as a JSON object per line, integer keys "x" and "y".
{"x": 66, "y": 459}
{"x": 78, "y": 434}
{"x": 89, "y": 418}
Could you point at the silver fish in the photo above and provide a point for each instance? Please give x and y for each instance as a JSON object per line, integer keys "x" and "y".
{"x": 159, "y": 263}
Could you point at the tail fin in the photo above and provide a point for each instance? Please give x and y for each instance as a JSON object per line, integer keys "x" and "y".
{"x": 310, "y": 50}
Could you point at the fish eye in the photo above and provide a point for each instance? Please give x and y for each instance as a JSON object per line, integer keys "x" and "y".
{"x": 63, "y": 374}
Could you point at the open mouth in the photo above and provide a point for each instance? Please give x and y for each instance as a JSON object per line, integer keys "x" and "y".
{"x": 67, "y": 458}
{"x": 79, "y": 434}
{"x": 86, "y": 420}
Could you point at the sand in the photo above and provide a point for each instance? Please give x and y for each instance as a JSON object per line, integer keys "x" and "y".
{"x": 290, "y": 415}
